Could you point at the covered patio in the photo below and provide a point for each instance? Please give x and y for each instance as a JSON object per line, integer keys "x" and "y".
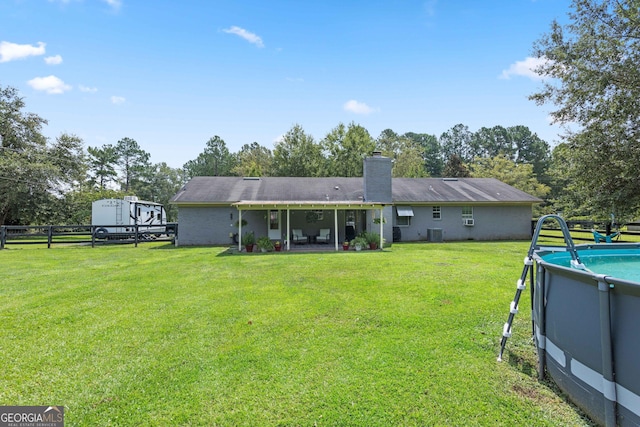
{"x": 276, "y": 209}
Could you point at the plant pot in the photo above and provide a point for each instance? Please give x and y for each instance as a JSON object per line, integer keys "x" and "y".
{"x": 249, "y": 248}
{"x": 263, "y": 250}
{"x": 373, "y": 246}
{"x": 358, "y": 247}
{"x": 345, "y": 247}
{"x": 278, "y": 248}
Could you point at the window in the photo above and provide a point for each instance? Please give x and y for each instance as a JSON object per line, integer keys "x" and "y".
{"x": 274, "y": 222}
{"x": 467, "y": 212}
{"x": 403, "y": 221}
{"x": 350, "y": 218}
{"x": 436, "y": 212}
{"x": 404, "y": 214}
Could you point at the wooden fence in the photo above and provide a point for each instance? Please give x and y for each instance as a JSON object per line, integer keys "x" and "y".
{"x": 583, "y": 231}
{"x": 84, "y": 234}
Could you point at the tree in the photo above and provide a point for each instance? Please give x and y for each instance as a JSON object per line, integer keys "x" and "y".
{"x": 406, "y": 153}
{"x": 160, "y": 183}
{"x": 102, "y": 165}
{"x": 132, "y": 160}
{"x": 25, "y": 167}
{"x": 565, "y": 196}
{"x": 19, "y": 130}
{"x": 457, "y": 141}
{"x": 593, "y": 62}
{"x": 346, "y": 148}
{"x": 520, "y": 176}
{"x": 517, "y": 143}
{"x": 491, "y": 142}
{"x": 431, "y": 152}
{"x": 529, "y": 148}
{"x": 69, "y": 157}
{"x": 297, "y": 154}
{"x": 253, "y": 160}
{"x": 455, "y": 168}
{"x": 215, "y": 160}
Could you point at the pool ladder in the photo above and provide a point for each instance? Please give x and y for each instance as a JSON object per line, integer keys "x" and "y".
{"x": 528, "y": 264}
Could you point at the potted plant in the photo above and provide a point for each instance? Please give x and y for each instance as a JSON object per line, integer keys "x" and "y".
{"x": 359, "y": 243}
{"x": 277, "y": 246}
{"x": 345, "y": 245}
{"x": 372, "y": 239}
{"x": 248, "y": 240}
{"x": 265, "y": 244}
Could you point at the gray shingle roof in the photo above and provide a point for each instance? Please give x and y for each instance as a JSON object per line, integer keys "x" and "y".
{"x": 457, "y": 190}
{"x": 226, "y": 190}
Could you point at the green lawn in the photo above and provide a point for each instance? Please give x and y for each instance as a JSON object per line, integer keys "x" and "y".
{"x": 157, "y": 335}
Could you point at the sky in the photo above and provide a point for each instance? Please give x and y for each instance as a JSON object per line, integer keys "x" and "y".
{"x": 173, "y": 74}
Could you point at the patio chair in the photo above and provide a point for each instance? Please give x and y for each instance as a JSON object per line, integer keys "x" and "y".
{"x": 324, "y": 236}
{"x": 297, "y": 237}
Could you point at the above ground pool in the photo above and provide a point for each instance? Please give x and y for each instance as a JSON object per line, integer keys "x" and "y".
{"x": 586, "y": 315}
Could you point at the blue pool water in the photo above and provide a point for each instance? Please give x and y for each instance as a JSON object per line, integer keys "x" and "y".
{"x": 619, "y": 263}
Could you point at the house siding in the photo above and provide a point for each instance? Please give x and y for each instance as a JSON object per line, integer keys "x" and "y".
{"x": 491, "y": 223}
{"x": 213, "y": 225}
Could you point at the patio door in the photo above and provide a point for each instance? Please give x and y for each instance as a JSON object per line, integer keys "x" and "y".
{"x": 275, "y": 232}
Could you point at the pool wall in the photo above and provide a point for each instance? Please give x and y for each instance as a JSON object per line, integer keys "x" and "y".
{"x": 588, "y": 338}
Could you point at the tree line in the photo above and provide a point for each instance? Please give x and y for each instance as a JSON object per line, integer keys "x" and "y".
{"x": 54, "y": 182}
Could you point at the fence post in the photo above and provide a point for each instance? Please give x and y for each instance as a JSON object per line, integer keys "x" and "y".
{"x": 3, "y": 236}
{"x": 49, "y": 236}
{"x": 175, "y": 235}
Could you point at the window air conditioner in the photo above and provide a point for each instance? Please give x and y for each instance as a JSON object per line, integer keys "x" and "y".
{"x": 468, "y": 222}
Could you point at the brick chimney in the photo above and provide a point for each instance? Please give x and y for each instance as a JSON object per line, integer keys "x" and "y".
{"x": 377, "y": 178}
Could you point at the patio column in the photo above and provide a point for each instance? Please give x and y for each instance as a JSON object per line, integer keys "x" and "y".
{"x": 239, "y": 230}
{"x": 335, "y": 224}
{"x": 288, "y": 231}
{"x": 381, "y": 228}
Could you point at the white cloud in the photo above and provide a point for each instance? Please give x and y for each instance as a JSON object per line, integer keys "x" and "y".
{"x": 357, "y": 107}
{"x": 50, "y": 84}
{"x": 115, "y": 4}
{"x": 525, "y": 68}
{"x": 87, "y": 89}
{"x": 12, "y": 51}
{"x": 117, "y": 100}
{"x": 247, "y": 35}
{"x": 53, "y": 60}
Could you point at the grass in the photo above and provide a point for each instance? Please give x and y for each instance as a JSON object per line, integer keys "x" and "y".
{"x": 156, "y": 335}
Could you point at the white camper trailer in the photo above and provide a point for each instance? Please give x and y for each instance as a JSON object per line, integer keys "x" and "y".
{"x": 115, "y": 217}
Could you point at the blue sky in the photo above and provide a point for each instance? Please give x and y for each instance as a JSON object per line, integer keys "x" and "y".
{"x": 172, "y": 74}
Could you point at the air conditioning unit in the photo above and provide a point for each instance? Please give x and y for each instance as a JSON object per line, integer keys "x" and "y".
{"x": 469, "y": 222}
